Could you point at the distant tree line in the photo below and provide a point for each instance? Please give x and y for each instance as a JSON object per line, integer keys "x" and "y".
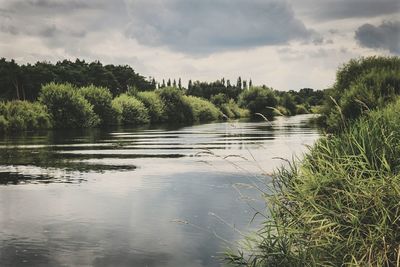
{"x": 79, "y": 94}
{"x": 23, "y": 82}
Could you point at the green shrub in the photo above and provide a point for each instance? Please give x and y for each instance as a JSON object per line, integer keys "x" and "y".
{"x": 202, "y": 109}
{"x": 357, "y": 68}
{"x": 288, "y": 103}
{"x": 177, "y": 110}
{"x": 23, "y": 115}
{"x": 258, "y": 100}
{"x": 339, "y": 206}
{"x": 67, "y": 107}
{"x": 228, "y": 107}
{"x": 3, "y": 124}
{"x": 301, "y": 109}
{"x": 361, "y": 86}
{"x": 130, "y": 110}
{"x": 219, "y": 99}
{"x": 154, "y": 105}
{"x": 281, "y": 111}
{"x": 100, "y": 98}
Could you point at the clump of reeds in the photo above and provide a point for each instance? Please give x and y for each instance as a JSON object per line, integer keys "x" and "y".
{"x": 339, "y": 206}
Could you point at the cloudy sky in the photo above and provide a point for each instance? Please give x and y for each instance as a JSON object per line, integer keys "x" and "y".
{"x": 285, "y": 44}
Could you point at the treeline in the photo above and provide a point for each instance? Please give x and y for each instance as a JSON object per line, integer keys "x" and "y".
{"x": 340, "y": 205}
{"x": 79, "y": 94}
{"x": 23, "y": 82}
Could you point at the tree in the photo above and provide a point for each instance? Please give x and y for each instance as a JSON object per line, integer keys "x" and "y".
{"x": 190, "y": 85}
{"x": 239, "y": 83}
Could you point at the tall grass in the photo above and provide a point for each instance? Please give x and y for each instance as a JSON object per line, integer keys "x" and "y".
{"x": 339, "y": 206}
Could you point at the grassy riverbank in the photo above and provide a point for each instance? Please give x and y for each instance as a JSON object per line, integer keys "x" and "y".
{"x": 340, "y": 204}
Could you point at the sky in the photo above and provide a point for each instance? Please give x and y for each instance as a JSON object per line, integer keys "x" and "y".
{"x": 284, "y": 44}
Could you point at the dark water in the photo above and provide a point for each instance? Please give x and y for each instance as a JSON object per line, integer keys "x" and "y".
{"x": 137, "y": 197}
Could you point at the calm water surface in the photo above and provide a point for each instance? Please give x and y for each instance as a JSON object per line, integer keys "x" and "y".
{"x": 138, "y": 197}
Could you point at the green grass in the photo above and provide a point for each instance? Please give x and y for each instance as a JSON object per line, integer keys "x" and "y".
{"x": 339, "y": 206}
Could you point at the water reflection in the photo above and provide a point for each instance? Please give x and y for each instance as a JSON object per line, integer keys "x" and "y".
{"x": 136, "y": 197}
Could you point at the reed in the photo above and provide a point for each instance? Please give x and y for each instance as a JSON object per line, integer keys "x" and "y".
{"x": 339, "y": 206}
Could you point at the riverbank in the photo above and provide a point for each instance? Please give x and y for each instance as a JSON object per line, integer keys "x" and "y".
{"x": 64, "y": 106}
{"x": 340, "y": 204}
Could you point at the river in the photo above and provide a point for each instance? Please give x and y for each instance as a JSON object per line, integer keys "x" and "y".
{"x": 155, "y": 196}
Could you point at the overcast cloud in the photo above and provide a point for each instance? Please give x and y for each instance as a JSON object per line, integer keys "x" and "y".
{"x": 208, "y": 26}
{"x": 286, "y": 44}
{"x": 326, "y": 10}
{"x": 385, "y": 36}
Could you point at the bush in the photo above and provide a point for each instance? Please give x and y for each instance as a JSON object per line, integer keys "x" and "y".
{"x": 219, "y": 99}
{"x": 154, "y": 105}
{"x": 177, "y": 109}
{"x": 3, "y": 124}
{"x": 356, "y": 68}
{"x": 130, "y": 110}
{"x": 228, "y": 107}
{"x": 67, "y": 107}
{"x": 361, "y": 85}
{"x": 202, "y": 109}
{"x": 340, "y": 206}
{"x": 100, "y": 98}
{"x": 288, "y": 103}
{"x": 23, "y": 115}
{"x": 301, "y": 109}
{"x": 258, "y": 100}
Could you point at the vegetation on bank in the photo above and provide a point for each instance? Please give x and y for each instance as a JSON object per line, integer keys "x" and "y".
{"x": 340, "y": 204}
{"x": 80, "y": 94}
{"x": 362, "y": 85}
{"x": 22, "y": 115}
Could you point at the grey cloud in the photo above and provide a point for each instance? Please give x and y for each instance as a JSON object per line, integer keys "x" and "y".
{"x": 52, "y": 6}
{"x": 343, "y": 9}
{"x": 60, "y": 23}
{"x": 207, "y": 26}
{"x": 385, "y": 36}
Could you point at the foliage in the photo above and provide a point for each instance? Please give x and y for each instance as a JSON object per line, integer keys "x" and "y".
{"x": 340, "y": 206}
{"x": 259, "y": 100}
{"x": 101, "y": 100}
{"x": 202, "y": 109}
{"x": 177, "y": 109}
{"x": 288, "y": 103}
{"x": 23, "y": 115}
{"x": 356, "y": 68}
{"x": 130, "y": 110}
{"x": 228, "y": 107}
{"x": 361, "y": 86}
{"x": 154, "y": 105}
{"x": 67, "y": 107}
{"x": 25, "y": 81}
{"x": 208, "y": 90}
{"x": 301, "y": 109}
